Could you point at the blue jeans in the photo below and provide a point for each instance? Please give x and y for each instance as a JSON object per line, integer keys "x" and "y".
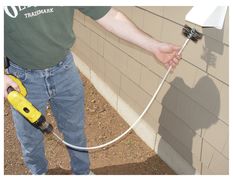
{"x": 62, "y": 88}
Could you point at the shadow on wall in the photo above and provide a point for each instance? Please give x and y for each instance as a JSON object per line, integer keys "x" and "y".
{"x": 183, "y": 119}
{"x": 187, "y": 114}
{"x": 212, "y": 46}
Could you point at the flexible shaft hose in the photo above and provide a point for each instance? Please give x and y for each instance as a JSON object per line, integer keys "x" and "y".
{"x": 133, "y": 125}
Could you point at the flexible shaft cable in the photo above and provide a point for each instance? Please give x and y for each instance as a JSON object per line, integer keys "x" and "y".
{"x": 133, "y": 125}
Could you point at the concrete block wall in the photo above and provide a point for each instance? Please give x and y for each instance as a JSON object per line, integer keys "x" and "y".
{"x": 188, "y": 124}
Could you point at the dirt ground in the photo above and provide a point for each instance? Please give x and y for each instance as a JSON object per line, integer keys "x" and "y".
{"x": 130, "y": 156}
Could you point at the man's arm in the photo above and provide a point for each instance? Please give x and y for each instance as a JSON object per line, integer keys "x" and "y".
{"x": 117, "y": 23}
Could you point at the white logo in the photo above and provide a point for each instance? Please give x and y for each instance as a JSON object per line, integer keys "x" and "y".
{"x": 13, "y": 11}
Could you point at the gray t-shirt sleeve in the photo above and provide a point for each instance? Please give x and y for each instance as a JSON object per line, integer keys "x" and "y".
{"x": 94, "y": 12}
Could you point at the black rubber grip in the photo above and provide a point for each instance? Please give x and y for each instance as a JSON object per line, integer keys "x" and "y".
{"x": 43, "y": 125}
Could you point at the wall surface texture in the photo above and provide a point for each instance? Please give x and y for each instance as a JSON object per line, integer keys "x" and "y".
{"x": 188, "y": 123}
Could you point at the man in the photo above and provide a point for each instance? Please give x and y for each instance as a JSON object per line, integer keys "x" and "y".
{"x": 37, "y": 43}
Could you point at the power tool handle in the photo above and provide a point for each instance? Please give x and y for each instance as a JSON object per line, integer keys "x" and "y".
{"x": 10, "y": 89}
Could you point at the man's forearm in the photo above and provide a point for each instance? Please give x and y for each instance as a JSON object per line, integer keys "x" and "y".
{"x": 120, "y": 25}
{"x": 117, "y": 23}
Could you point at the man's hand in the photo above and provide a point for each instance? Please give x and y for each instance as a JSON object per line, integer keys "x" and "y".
{"x": 9, "y": 82}
{"x": 167, "y": 54}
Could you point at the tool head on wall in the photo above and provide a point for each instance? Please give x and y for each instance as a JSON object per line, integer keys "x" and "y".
{"x": 191, "y": 33}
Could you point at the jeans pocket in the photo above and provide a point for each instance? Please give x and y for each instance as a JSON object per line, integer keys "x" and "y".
{"x": 19, "y": 73}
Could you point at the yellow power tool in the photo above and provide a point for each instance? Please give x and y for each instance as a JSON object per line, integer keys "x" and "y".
{"x": 26, "y": 108}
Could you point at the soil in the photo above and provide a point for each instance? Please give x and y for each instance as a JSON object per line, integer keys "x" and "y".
{"x": 129, "y": 156}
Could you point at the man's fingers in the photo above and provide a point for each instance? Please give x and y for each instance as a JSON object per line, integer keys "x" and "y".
{"x": 8, "y": 82}
{"x": 176, "y": 48}
{"x": 5, "y": 94}
{"x": 176, "y": 61}
{"x": 170, "y": 64}
{"x": 179, "y": 56}
{"x": 14, "y": 85}
{"x": 167, "y": 65}
{"x": 16, "y": 88}
{"x": 173, "y": 64}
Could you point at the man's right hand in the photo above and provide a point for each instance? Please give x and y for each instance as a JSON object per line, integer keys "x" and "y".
{"x": 167, "y": 54}
{"x": 9, "y": 82}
